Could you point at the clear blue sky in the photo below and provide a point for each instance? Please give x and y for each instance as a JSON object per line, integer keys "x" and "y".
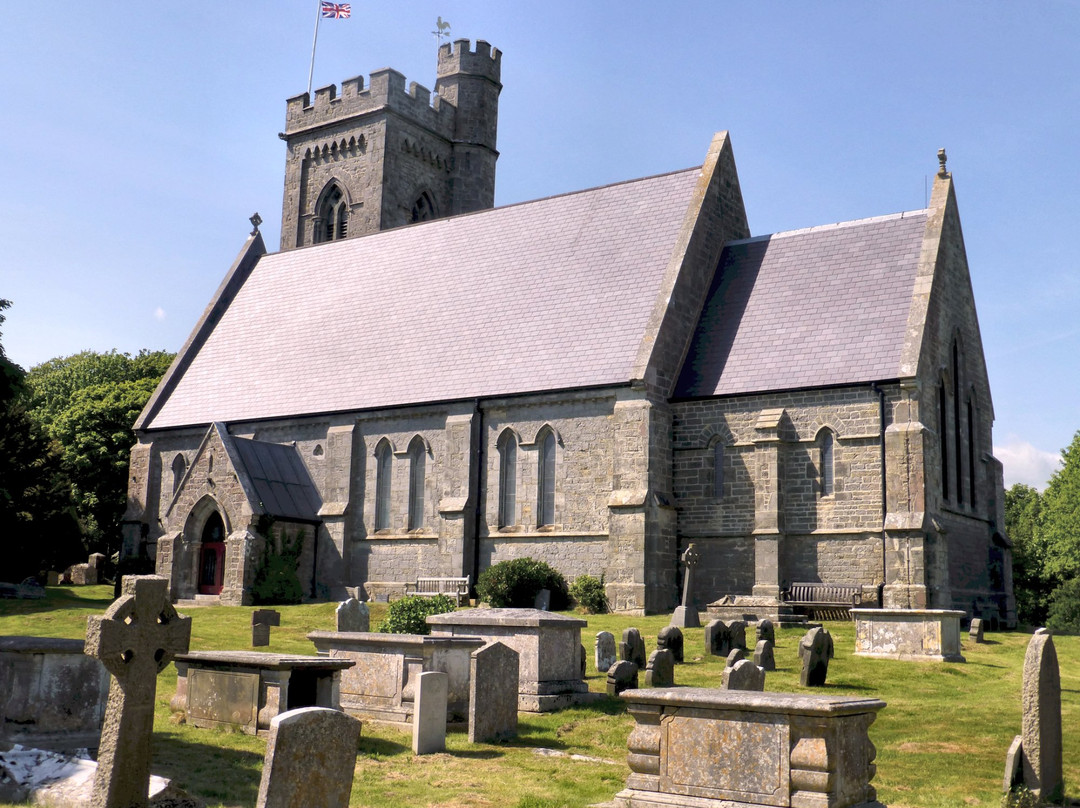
{"x": 138, "y": 138}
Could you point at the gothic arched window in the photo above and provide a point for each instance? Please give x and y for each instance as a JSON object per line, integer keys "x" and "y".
{"x": 971, "y": 452}
{"x": 507, "y": 479}
{"x": 332, "y": 221}
{"x": 417, "y": 455}
{"x": 545, "y": 480}
{"x": 825, "y": 452}
{"x": 384, "y": 459}
{"x": 943, "y": 439}
{"x": 423, "y": 208}
{"x": 957, "y": 435}
{"x": 179, "y": 466}
{"x": 718, "y": 470}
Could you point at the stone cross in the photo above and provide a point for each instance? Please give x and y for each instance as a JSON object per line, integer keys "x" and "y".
{"x": 255, "y": 220}
{"x": 690, "y": 559}
{"x": 135, "y": 639}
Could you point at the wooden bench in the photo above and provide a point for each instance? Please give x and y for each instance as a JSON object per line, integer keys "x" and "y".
{"x": 824, "y": 601}
{"x": 430, "y": 587}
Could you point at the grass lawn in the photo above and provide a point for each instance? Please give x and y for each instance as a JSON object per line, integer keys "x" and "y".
{"x": 941, "y": 740}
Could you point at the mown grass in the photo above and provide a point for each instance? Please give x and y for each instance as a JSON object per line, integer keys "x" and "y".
{"x": 941, "y": 740}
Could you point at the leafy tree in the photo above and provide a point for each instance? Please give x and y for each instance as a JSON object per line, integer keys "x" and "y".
{"x": 11, "y": 375}
{"x": 1060, "y": 517}
{"x": 1032, "y": 582}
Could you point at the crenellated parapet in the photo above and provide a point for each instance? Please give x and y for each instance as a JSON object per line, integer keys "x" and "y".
{"x": 484, "y": 61}
{"x": 385, "y": 91}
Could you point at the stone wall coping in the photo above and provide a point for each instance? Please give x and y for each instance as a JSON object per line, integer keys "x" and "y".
{"x": 505, "y": 617}
{"x": 753, "y": 701}
{"x": 358, "y": 639}
{"x": 263, "y": 659}
{"x": 40, "y": 645}
{"x": 915, "y": 613}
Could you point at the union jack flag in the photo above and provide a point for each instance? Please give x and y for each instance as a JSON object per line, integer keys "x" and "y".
{"x": 336, "y": 11}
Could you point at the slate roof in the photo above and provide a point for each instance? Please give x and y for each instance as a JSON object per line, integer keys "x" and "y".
{"x": 280, "y": 480}
{"x": 544, "y": 295}
{"x": 807, "y": 308}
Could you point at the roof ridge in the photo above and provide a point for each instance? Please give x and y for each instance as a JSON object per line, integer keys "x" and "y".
{"x": 834, "y": 226}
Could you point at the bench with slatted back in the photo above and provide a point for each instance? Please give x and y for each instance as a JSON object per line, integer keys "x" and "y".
{"x": 824, "y": 601}
{"x": 457, "y": 588}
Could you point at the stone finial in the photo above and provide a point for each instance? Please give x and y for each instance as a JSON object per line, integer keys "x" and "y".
{"x": 942, "y": 157}
{"x": 255, "y": 220}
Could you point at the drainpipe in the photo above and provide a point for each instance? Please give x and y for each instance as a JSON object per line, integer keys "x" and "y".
{"x": 884, "y": 493}
{"x": 480, "y": 475}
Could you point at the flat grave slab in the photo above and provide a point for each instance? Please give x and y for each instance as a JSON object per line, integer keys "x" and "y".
{"x": 908, "y": 634}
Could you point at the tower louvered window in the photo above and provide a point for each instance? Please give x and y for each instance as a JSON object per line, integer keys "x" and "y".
{"x": 333, "y": 219}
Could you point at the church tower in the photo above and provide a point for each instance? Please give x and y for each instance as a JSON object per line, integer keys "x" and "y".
{"x": 380, "y": 157}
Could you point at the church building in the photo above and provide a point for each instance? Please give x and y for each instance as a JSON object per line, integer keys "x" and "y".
{"x": 420, "y": 384}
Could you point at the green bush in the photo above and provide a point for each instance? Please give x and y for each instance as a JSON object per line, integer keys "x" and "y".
{"x": 406, "y": 615}
{"x": 1064, "y": 617}
{"x": 588, "y": 593}
{"x": 515, "y": 583}
{"x": 277, "y": 581}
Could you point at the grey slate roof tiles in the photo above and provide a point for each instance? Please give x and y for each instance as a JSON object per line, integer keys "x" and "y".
{"x": 550, "y": 294}
{"x": 807, "y": 308}
{"x": 280, "y": 479}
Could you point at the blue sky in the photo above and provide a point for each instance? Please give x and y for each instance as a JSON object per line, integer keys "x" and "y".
{"x": 138, "y": 138}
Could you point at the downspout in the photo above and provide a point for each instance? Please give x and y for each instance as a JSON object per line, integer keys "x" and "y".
{"x": 480, "y": 476}
{"x": 884, "y": 488}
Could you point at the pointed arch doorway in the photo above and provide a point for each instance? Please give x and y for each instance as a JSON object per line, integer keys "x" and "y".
{"x": 212, "y": 556}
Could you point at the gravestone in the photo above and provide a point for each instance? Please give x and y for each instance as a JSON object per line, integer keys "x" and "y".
{"x": 743, "y": 675}
{"x": 686, "y": 615}
{"x": 632, "y": 647}
{"x": 310, "y": 759}
{"x": 815, "y": 650}
{"x": 734, "y": 655}
{"x": 581, "y": 657}
{"x": 764, "y": 657}
{"x": 717, "y": 638}
{"x": 660, "y": 672}
{"x": 976, "y": 630}
{"x": 766, "y": 630}
{"x": 623, "y": 675}
{"x": 605, "y": 651}
{"x": 493, "y": 692}
{"x": 543, "y": 600}
{"x": 1014, "y": 765}
{"x": 429, "y": 718}
{"x": 52, "y": 578}
{"x": 135, "y": 639}
{"x": 352, "y": 615}
{"x": 261, "y": 620}
{"x": 671, "y": 638}
{"x": 1041, "y": 729}
{"x": 737, "y": 630}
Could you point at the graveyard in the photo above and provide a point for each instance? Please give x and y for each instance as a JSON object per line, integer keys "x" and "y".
{"x": 941, "y": 739}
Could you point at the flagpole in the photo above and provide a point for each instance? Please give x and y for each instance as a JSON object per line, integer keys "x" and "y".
{"x": 311, "y": 70}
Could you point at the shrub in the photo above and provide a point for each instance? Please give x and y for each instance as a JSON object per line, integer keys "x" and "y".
{"x": 1064, "y": 617}
{"x": 406, "y": 615}
{"x": 515, "y": 583}
{"x": 277, "y": 581}
{"x": 588, "y": 592}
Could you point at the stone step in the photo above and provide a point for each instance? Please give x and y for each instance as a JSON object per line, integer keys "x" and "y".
{"x": 200, "y": 600}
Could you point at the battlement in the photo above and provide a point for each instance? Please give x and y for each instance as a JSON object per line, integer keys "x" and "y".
{"x": 485, "y": 61}
{"x": 386, "y": 89}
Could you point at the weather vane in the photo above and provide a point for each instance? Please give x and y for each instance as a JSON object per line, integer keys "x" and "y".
{"x": 442, "y": 29}
{"x": 255, "y": 220}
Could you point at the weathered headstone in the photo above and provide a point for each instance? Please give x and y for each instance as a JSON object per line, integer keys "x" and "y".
{"x": 766, "y": 630}
{"x": 743, "y": 675}
{"x": 493, "y": 692}
{"x": 660, "y": 672}
{"x": 1041, "y": 729}
{"x": 543, "y": 600}
{"x": 261, "y": 620}
{"x": 605, "y": 651}
{"x": 310, "y": 759}
{"x": 686, "y": 615}
{"x": 814, "y": 650}
{"x": 764, "y": 656}
{"x": 976, "y": 629}
{"x": 632, "y": 647}
{"x": 623, "y": 675}
{"x": 135, "y": 640}
{"x": 734, "y": 655}
{"x": 581, "y": 660}
{"x": 352, "y": 615}
{"x": 52, "y": 578}
{"x": 1014, "y": 765}
{"x": 737, "y": 630}
{"x": 429, "y": 716}
{"x": 671, "y": 638}
{"x": 717, "y": 638}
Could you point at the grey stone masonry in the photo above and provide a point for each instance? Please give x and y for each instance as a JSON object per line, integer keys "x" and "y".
{"x": 775, "y": 749}
{"x": 310, "y": 759}
{"x": 1041, "y": 731}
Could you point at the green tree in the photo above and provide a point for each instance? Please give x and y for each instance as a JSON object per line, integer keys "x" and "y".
{"x": 1060, "y": 517}
{"x": 88, "y": 403}
{"x": 1032, "y": 582}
